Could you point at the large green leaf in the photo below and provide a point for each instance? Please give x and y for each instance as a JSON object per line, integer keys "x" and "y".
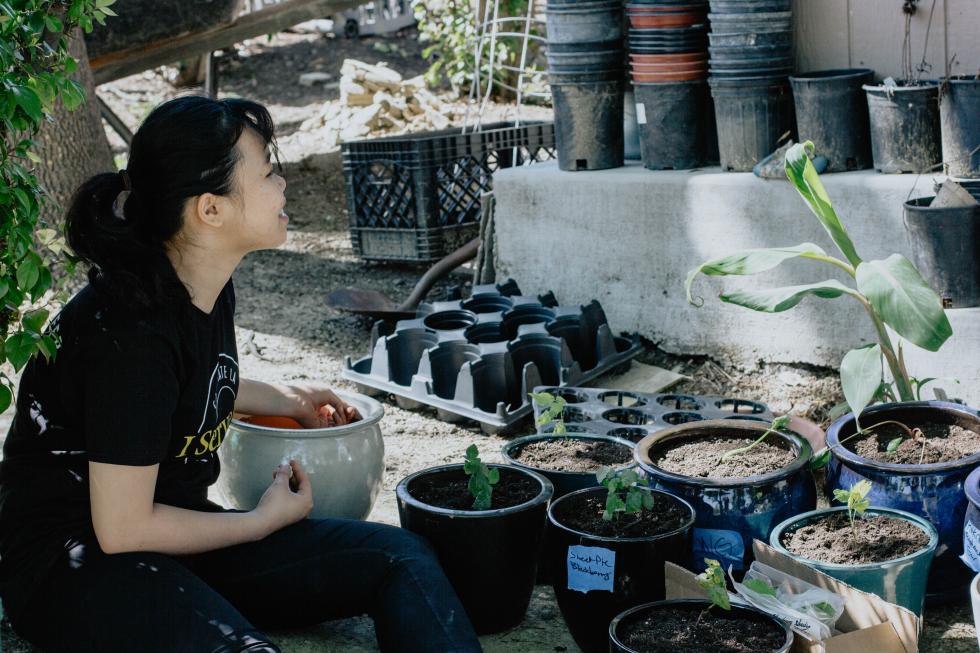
{"x": 804, "y": 176}
{"x": 750, "y": 261}
{"x": 776, "y": 300}
{"x": 905, "y": 301}
{"x": 860, "y": 376}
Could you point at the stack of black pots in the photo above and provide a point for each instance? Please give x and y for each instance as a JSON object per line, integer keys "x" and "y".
{"x": 750, "y": 60}
{"x": 586, "y": 72}
{"x": 669, "y": 68}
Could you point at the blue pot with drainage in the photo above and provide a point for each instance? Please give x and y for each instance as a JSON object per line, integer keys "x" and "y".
{"x": 933, "y": 491}
{"x": 731, "y": 512}
{"x": 971, "y": 523}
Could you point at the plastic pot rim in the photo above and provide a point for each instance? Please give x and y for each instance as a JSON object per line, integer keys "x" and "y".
{"x": 684, "y": 82}
{"x": 804, "y": 451}
{"x": 910, "y": 204}
{"x": 831, "y": 74}
{"x": 508, "y": 448}
{"x": 924, "y": 86}
{"x": 787, "y": 643}
{"x": 972, "y": 487}
{"x": 908, "y": 469}
{"x": 924, "y": 524}
{"x": 689, "y": 524}
{"x": 375, "y": 411}
{"x": 543, "y": 496}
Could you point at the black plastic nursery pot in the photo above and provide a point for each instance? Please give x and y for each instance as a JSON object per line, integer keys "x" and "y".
{"x": 588, "y": 122}
{"x": 596, "y": 577}
{"x": 959, "y": 118}
{"x": 832, "y": 111}
{"x": 696, "y": 608}
{"x": 564, "y": 482}
{"x": 904, "y": 124}
{"x": 933, "y": 491}
{"x": 751, "y": 113}
{"x": 489, "y": 556}
{"x": 731, "y": 512}
{"x": 945, "y": 247}
{"x": 748, "y": 6}
{"x": 671, "y": 123}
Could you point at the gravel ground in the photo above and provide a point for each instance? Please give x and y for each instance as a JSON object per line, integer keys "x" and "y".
{"x": 285, "y": 332}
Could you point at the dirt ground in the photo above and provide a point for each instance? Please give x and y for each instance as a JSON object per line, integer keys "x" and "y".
{"x": 285, "y": 332}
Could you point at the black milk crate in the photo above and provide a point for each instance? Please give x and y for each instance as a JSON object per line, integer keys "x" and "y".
{"x": 417, "y": 197}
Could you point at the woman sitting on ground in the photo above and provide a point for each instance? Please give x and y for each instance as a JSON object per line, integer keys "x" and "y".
{"x": 108, "y": 542}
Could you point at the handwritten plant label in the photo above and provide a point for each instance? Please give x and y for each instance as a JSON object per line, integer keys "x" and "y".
{"x": 971, "y": 546}
{"x": 727, "y": 547}
{"x": 591, "y": 568}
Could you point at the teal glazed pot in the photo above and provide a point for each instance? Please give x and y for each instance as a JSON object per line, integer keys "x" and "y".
{"x": 934, "y": 491}
{"x": 901, "y": 581}
{"x": 731, "y": 512}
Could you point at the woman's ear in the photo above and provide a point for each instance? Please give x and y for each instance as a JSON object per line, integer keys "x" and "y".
{"x": 210, "y": 209}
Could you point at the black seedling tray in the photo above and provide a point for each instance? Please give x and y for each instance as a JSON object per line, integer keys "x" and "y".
{"x": 477, "y": 359}
{"x": 634, "y": 415}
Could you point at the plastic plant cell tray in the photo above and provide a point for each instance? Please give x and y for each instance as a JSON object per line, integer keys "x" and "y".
{"x": 477, "y": 359}
{"x": 634, "y": 415}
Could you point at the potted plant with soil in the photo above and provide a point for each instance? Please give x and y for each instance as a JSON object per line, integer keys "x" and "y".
{"x": 569, "y": 460}
{"x": 742, "y": 478}
{"x": 879, "y": 550}
{"x": 485, "y": 523}
{"x": 694, "y": 626}
{"x": 607, "y": 547}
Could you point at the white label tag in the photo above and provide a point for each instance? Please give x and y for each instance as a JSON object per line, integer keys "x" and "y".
{"x": 591, "y": 568}
{"x": 971, "y": 546}
{"x": 641, "y": 114}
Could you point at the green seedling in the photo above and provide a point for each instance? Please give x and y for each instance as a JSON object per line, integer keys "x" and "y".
{"x": 624, "y": 493}
{"x": 553, "y": 406}
{"x": 822, "y": 457}
{"x": 760, "y": 586}
{"x": 482, "y": 478}
{"x": 825, "y": 608}
{"x": 712, "y": 581}
{"x": 777, "y": 424}
{"x": 856, "y": 498}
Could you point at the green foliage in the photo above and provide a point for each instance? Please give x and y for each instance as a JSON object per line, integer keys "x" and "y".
{"x": 856, "y": 499}
{"x": 482, "y": 478}
{"x": 35, "y": 71}
{"x": 760, "y": 586}
{"x": 778, "y": 424}
{"x": 891, "y": 291}
{"x": 712, "y": 580}
{"x": 624, "y": 492}
{"x": 449, "y": 30}
{"x": 554, "y": 407}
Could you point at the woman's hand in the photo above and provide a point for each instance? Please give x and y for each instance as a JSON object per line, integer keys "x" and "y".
{"x": 312, "y": 405}
{"x": 288, "y": 500}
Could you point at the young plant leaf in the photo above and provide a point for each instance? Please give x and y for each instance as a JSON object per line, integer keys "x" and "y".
{"x": 820, "y": 459}
{"x": 5, "y": 397}
{"x": 777, "y": 300}
{"x": 760, "y": 586}
{"x": 750, "y": 261}
{"x": 860, "y": 376}
{"x": 804, "y": 176}
{"x": 712, "y": 580}
{"x": 893, "y": 445}
{"x": 905, "y": 301}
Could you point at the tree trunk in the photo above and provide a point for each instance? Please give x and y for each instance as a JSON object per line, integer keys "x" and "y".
{"x": 73, "y": 147}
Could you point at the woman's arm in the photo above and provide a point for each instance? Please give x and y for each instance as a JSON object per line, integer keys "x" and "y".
{"x": 312, "y": 405}
{"x": 126, "y": 519}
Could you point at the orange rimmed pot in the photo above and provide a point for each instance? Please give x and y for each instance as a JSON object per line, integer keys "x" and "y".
{"x": 681, "y": 57}
{"x": 647, "y": 78}
{"x": 670, "y": 67}
{"x": 643, "y": 21}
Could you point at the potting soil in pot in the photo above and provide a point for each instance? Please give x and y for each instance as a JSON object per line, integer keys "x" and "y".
{"x": 940, "y": 443}
{"x": 584, "y": 513}
{"x": 445, "y": 491}
{"x": 674, "y": 630}
{"x": 874, "y": 539}
{"x": 701, "y": 458}
{"x": 573, "y": 455}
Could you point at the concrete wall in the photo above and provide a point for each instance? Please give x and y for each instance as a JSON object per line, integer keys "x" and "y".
{"x": 628, "y": 237}
{"x": 869, "y": 34}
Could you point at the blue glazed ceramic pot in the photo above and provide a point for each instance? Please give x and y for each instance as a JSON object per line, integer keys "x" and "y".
{"x": 971, "y": 523}
{"x": 731, "y": 512}
{"x": 901, "y": 581}
{"x": 934, "y": 491}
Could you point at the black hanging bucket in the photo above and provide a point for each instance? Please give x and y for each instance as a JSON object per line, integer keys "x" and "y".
{"x": 959, "y": 113}
{"x": 904, "y": 127}
{"x": 832, "y": 111}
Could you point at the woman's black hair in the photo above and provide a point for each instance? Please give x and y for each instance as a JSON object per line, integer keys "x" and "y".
{"x": 184, "y": 148}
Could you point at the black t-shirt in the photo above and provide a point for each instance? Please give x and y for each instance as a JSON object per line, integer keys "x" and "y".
{"x": 125, "y": 389}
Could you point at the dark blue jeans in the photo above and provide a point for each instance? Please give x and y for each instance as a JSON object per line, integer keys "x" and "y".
{"x": 307, "y": 573}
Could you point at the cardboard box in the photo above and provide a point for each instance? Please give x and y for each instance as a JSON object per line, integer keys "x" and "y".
{"x": 869, "y": 623}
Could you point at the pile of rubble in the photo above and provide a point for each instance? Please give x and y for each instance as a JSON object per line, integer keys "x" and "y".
{"x": 376, "y": 101}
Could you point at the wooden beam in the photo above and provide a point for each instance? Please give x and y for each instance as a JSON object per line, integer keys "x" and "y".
{"x": 109, "y": 67}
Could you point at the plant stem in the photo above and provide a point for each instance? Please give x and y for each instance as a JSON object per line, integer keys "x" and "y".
{"x": 735, "y": 452}
{"x": 899, "y": 374}
{"x": 833, "y": 260}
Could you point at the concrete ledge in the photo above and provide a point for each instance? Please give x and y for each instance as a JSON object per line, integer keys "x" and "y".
{"x": 628, "y": 237}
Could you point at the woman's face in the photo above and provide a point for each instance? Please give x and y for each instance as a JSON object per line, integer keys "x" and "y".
{"x": 261, "y": 194}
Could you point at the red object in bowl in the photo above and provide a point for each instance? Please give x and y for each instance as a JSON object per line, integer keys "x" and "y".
{"x": 273, "y": 421}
